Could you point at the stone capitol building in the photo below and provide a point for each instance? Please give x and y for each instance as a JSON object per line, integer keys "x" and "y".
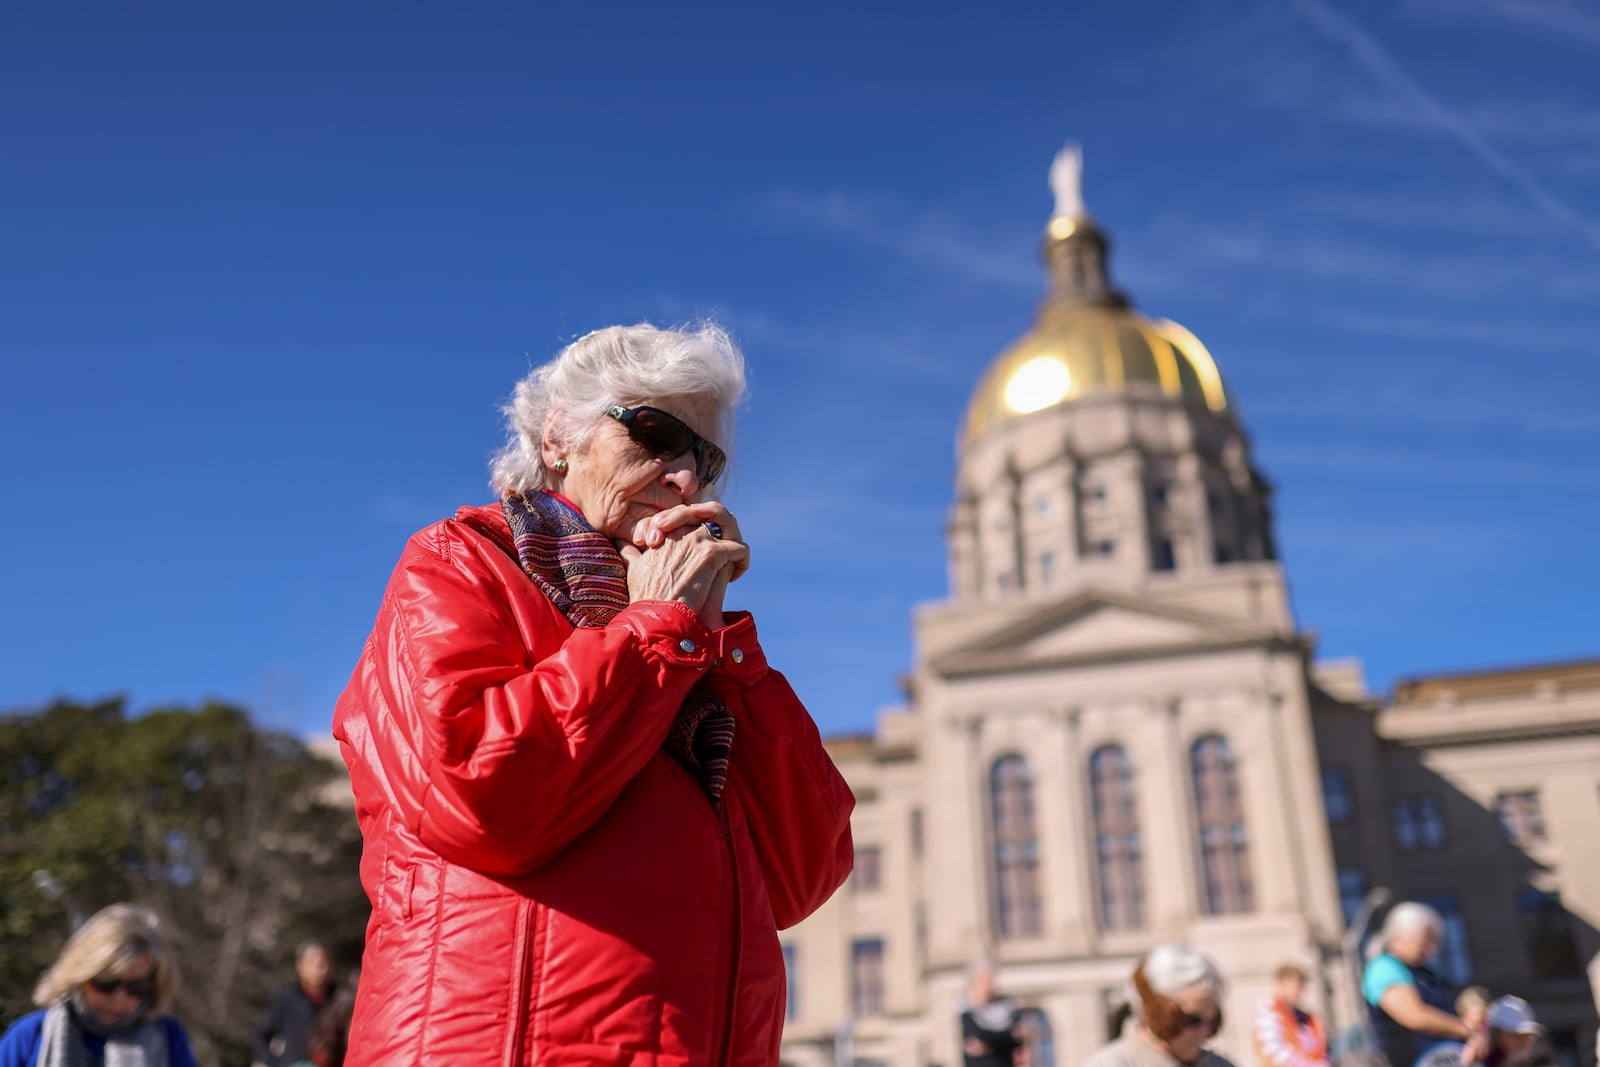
{"x": 1115, "y": 735}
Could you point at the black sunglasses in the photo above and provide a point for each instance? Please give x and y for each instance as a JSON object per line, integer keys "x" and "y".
{"x": 669, "y": 437}
{"x": 1213, "y": 1023}
{"x": 142, "y": 988}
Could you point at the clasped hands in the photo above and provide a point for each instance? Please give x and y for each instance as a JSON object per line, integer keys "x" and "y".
{"x": 673, "y": 556}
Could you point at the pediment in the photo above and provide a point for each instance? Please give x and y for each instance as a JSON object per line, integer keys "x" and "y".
{"x": 1095, "y": 626}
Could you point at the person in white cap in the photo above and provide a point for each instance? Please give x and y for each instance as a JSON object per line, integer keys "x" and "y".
{"x": 1516, "y": 1035}
{"x": 1176, "y": 994}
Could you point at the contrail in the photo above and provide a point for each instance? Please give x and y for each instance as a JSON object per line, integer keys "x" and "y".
{"x": 1381, "y": 65}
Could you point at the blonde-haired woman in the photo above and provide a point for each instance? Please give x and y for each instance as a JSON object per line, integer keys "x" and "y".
{"x": 103, "y": 1002}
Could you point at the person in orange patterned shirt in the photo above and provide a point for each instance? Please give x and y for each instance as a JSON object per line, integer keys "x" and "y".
{"x": 1285, "y": 1035}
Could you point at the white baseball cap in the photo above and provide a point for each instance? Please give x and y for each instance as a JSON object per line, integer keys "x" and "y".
{"x": 1513, "y": 1015}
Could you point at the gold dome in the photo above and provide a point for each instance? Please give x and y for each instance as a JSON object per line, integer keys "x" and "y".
{"x": 1087, "y": 338}
{"x": 1077, "y": 350}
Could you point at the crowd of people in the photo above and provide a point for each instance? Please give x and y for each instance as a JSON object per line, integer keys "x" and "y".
{"x": 1173, "y": 1011}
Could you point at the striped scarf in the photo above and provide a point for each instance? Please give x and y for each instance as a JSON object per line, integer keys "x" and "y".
{"x": 584, "y": 576}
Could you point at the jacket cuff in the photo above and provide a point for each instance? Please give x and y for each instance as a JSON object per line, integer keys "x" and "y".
{"x": 737, "y": 659}
{"x": 670, "y": 631}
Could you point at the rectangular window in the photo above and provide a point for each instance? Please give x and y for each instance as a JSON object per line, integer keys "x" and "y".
{"x": 1418, "y": 824}
{"x": 1352, "y": 891}
{"x": 791, "y": 1005}
{"x": 916, "y": 833}
{"x": 1521, "y": 819}
{"x": 866, "y": 977}
{"x": 868, "y": 874}
{"x": 1454, "y": 960}
{"x": 1548, "y": 934}
{"x": 1047, "y": 568}
{"x": 1336, "y": 795}
{"x": 1161, "y": 557}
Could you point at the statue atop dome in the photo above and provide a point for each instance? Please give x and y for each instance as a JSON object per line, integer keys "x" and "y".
{"x": 1066, "y": 180}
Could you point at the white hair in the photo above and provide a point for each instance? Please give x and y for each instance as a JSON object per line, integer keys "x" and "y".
{"x": 1171, "y": 969}
{"x": 1406, "y": 917}
{"x": 625, "y": 365}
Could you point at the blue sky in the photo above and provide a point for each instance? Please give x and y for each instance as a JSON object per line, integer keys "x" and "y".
{"x": 266, "y": 276}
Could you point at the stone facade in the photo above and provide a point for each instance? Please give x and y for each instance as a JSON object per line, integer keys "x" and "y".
{"x": 1115, "y": 735}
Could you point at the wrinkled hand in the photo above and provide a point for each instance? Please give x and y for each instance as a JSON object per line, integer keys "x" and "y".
{"x": 652, "y": 533}
{"x": 675, "y": 557}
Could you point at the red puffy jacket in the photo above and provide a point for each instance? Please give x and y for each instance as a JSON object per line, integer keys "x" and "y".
{"x": 549, "y": 886}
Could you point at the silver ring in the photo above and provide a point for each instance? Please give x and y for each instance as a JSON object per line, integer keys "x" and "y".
{"x": 713, "y": 529}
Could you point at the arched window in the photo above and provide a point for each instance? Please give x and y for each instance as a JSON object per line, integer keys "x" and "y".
{"x": 1033, "y": 1025}
{"x": 1016, "y": 849}
{"x": 1116, "y": 838}
{"x": 1219, "y": 818}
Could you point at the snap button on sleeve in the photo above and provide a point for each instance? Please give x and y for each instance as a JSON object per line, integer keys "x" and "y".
{"x": 737, "y": 655}
{"x": 686, "y": 644}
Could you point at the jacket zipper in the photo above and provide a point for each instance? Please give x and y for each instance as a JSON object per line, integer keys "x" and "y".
{"x": 521, "y": 999}
{"x": 725, "y": 1056}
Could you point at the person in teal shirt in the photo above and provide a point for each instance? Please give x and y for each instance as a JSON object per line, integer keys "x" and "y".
{"x": 103, "y": 1001}
{"x": 1413, "y": 1008}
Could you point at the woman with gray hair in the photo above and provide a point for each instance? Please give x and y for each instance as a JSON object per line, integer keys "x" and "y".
{"x": 588, "y": 802}
{"x": 1413, "y": 1008}
{"x": 104, "y": 1000}
{"x": 1175, "y": 994}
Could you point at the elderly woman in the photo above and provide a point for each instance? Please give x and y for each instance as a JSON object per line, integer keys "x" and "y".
{"x": 1175, "y": 995}
{"x": 104, "y": 1000}
{"x": 1413, "y": 1009}
{"x": 588, "y": 802}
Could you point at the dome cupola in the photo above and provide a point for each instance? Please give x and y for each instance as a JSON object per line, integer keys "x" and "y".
{"x": 1086, "y": 337}
{"x": 1100, "y": 449}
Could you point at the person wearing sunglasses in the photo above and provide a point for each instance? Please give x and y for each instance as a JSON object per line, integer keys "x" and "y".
{"x": 588, "y": 802}
{"x": 1175, "y": 994}
{"x": 103, "y": 1001}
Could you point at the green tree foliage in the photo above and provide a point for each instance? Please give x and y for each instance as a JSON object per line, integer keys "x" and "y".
{"x": 241, "y": 839}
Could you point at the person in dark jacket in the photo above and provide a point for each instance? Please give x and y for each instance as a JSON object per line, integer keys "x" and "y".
{"x": 988, "y": 1024}
{"x": 285, "y": 1033}
{"x": 588, "y": 802}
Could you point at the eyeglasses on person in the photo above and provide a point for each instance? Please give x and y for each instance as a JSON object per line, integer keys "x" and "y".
{"x": 141, "y": 988}
{"x": 667, "y": 436}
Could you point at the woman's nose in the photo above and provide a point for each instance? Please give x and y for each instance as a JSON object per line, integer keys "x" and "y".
{"x": 680, "y": 474}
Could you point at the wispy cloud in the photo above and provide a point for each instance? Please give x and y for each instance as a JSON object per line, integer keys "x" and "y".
{"x": 1411, "y": 212}
{"x": 1270, "y": 252}
{"x": 1552, "y": 122}
{"x": 1376, "y": 60}
{"x": 1406, "y": 464}
{"x": 1505, "y": 334}
{"x": 922, "y": 237}
{"x": 1561, "y": 18}
{"x": 1582, "y": 164}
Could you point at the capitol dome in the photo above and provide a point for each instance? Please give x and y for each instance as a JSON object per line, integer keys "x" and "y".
{"x": 1088, "y": 340}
